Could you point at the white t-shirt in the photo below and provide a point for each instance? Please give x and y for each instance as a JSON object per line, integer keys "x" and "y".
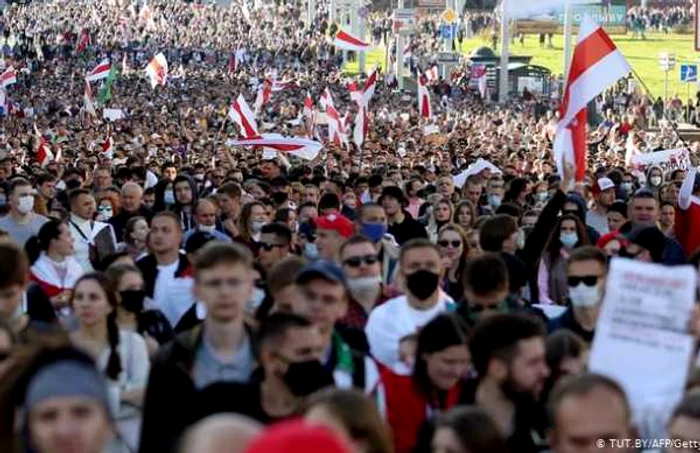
{"x": 172, "y": 296}
{"x": 395, "y": 320}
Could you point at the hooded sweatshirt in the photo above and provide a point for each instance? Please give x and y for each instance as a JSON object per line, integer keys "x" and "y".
{"x": 186, "y": 218}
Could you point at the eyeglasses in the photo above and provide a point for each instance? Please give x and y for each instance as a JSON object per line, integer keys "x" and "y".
{"x": 588, "y": 280}
{"x": 445, "y": 243}
{"x": 267, "y": 246}
{"x": 356, "y": 261}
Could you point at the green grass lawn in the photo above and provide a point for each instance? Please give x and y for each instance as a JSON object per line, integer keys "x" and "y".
{"x": 642, "y": 55}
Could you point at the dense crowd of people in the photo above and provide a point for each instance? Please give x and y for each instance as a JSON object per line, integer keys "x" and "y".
{"x": 435, "y": 287}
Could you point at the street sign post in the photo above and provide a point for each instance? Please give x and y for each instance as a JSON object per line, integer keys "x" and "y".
{"x": 404, "y": 21}
{"x": 667, "y": 61}
{"x": 447, "y": 31}
{"x": 688, "y": 75}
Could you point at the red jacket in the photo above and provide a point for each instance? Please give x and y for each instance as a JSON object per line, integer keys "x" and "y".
{"x": 407, "y": 407}
{"x": 687, "y": 227}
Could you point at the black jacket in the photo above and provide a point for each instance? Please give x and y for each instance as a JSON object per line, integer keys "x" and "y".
{"x": 149, "y": 268}
{"x": 119, "y": 221}
{"x": 408, "y": 229}
{"x": 171, "y": 394}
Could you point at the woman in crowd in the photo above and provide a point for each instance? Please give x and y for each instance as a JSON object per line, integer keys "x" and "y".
{"x": 552, "y": 285}
{"x": 352, "y": 415}
{"x": 250, "y": 223}
{"x": 465, "y": 215}
{"x": 467, "y": 430}
{"x": 135, "y": 235}
{"x": 128, "y": 283}
{"x": 121, "y": 355}
{"x": 53, "y": 266}
{"x": 454, "y": 250}
{"x": 440, "y": 215}
{"x": 107, "y": 207}
{"x": 440, "y": 363}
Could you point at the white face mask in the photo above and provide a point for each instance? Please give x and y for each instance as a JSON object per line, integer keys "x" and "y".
{"x": 104, "y": 214}
{"x": 655, "y": 180}
{"x": 568, "y": 240}
{"x": 584, "y": 296}
{"x": 255, "y": 301}
{"x": 256, "y": 226}
{"x": 207, "y": 228}
{"x": 26, "y": 204}
{"x": 169, "y": 198}
{"x": 362, "y": 287}
{"x": 520, "y": 239}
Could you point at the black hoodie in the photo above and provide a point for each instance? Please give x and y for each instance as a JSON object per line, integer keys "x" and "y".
{"x": 186, "y": 219}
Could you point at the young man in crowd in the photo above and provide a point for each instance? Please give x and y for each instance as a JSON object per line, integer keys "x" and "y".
{"x": 222, "y": 349}
{"x": 644, "y": 212}
{"x": 21, "y": 222}
{"x": 388, "y": 324}
{"x": 361, "y": 265}
{"x": 275, "y": 244}
{"x": 586, "y": 272}
{"x": 401, "y": 226}
{"x": 228, "y": 199}
{"x": 166, "y": 271}
{"x": 604, "y": 196}
{"x": 508, "y": 354}
{"x": 485, "y": 282}
{"x": 331, "y": 230}
{"x": 92, "y": 240}
{"x": 371, "y": 222}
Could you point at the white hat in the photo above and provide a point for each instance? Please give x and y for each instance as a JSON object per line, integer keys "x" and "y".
{"x": 605, "y": 184}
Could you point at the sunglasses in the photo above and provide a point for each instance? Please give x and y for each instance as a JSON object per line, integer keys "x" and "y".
{"x": 267, "y": 246}
{"x": 588, "y": 280}
{"x": 356, "y": 261}
{"x": 445, "y": 243}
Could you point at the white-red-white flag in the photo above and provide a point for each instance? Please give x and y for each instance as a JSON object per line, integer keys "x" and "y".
{"x": 101, "y": 71}
{"x": 108, "y": 147}
{"x": 326, "y": 99}
{"x": 335, "y": 126}
{"x": 346, "y": 41}
{"x": 300, "y": 147}
{"x": 263, "y": 96}
{"x": 370, "y": 87}
{"x": 242, "y": 115}
{"x": 157, "y": 70}
{"x": 424, "y": 108}
{"x": 88, "y": 105}
{"x": 8, "y": 77}
{"x": 596, "y": 64}
{"x": 432, "y": 74}
{"x": 361, "y": 127}
{"x": 355, "y": 95}
{"x": 44, "y": 155}
{"x": 478, "y": 76}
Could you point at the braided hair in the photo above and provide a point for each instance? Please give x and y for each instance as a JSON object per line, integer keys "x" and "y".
{"x": 114, "y": 365}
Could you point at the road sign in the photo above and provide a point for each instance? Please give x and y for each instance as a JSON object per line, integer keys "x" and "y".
{"x": 667, "y": 61}
{"x": 447, "y": 31}
{"x": 448, "y": 57}
{"x": 689, "y": 73}
{"x": 404, "y": 21}
{"x": 449, "y": 16}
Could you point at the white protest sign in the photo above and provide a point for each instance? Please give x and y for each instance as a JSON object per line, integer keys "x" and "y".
{"x": 668, "y": 160}
{"x": 641, "y": 338}
{"x": 113, "y": 114}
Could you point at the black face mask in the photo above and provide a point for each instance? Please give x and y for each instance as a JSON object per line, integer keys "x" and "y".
{"x": 304, "y": 378}
{"x": 132, "y": 300}
{"x": 422, "y": 284}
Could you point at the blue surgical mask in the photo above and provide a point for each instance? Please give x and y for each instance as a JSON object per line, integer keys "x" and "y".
{"x": 311, "y": 251}
{"x": 569, "y": 240}
{"x": 495, "y": 200}
{"x": 169, "y": 198}
{"x": 374, "y": 231}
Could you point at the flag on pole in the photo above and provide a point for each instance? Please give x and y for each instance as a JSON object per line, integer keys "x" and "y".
{"x": 263, "y": 96}
{"x": 300, "y": 147}
{"x": 8, "y": 77}
{"x": 355, "y": 95}
{"x": 242, "y": 115}
{"x": 326, "y": 99}
{"x": 101, "y": 71}
{"x": 432, "y": 74}
{"x": 361, "y": 127}
{"x": 334, "y": 125}
{"x": 596, "y": 64}
{"x": 105, "y": 93}
{"x": 157, "y": 70}
{"x": 424, "y": 109}
{"x": 346, "y": 41}
{"x": 370, "y": 87}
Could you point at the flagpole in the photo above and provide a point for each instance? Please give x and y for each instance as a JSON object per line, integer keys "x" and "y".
{"x": 505, "y": 41}
{"x": 650, "y": 97}
{"x": 567, "y": 38}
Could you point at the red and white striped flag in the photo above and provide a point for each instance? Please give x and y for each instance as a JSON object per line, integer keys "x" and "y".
{"x": 242, "y": 115}
{"x": 157, "y": 70}
{"x": 478, "y": 77}
{"x": 334, "y": 125}
{"x": 100, "y": 72}
{"x": 346, "y": 41}
{"x": 361, "y": 127}
{"x": 8, "y": 77}
{"x": 43, "y": 151}
{"x": 300, "y": 147}
{"x": 370, "y": 87}
{"x": 83, "y": 41}
{"x": 355, "y": 95}
{"x": 424, "y": 109}
{"x": 281, "y": 85}
{"x": 263, "y": 96}
{"x": 108, "y": 147}
{"x": 596, "y": 64}
{"x": 326, "y": 99}
{"x": 432, "y": 74}
{"x": 309, "y": 114}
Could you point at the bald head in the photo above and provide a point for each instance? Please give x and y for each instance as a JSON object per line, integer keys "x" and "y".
{"x": 205, "y": 212}
{"x": 222, "y": 432}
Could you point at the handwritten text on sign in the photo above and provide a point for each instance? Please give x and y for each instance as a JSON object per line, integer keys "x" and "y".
{"x": 668, "y": 160}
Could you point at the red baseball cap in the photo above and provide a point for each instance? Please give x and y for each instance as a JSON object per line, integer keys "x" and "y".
{"x": 336, "y": 222}
{"x": 295, "y": 437}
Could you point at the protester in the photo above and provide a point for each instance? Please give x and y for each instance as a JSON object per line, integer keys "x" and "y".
{"x": 92, "y": 240}
{"x": 467, "y": 430}
{"x": 22, "y": 222}
{"x": 362, "y": 268}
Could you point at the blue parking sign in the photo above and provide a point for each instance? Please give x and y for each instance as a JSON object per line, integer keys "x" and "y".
{"x": 689, "y": 73}
{"x": 447, "y": 31}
